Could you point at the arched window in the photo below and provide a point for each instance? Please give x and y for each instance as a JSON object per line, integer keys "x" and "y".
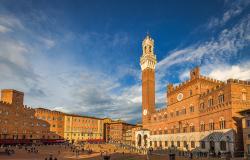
{"x": 184, "y": 110}
{"x": 244, "y": 95}
{"x": 178, "y": 144}
{"x": 190, "y": 92}
{"x": 172, "y": 143}
{"x": 222, "y": 123}
{"x": 155, "y": 144}
{"x": 192, "y": 129}
{"x": 165, "y": 115}
{"x": 203, "y": 144}
{"x": 160, "y": 131}
{"x": 178, "y": 129}
{"x": 210, "y": 102}
{"x": 172, "y": 114}
{"x": 202, "y": 126}
{"x": 177, "y": 113}
{"x": 184, "y": 127}
{"x": 221, "y": 98}
{"x": 211, "y": 124}
{"x": 191, "y": 108}
{"x": 192, "y": 144}
{"x": 185, "y": 144}
{"x": 150, "y": 49}
{"x": 166, "y": 131}
{"x": 223, "y": 145}
{"x": 160, "y": 144}
{"x": 202, "y": 105}
{"x": 160, "y": 117}
{"x": 172, "y": 130}
{"x": 166, "y": 143}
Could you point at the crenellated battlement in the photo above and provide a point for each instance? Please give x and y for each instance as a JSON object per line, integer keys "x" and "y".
{"x": 210, "y": 79}
{"x": 172, "y": 88}
{"x": 48, "y": 111}
{"x": 237, "y": 81}
{"x": 222, "y": 84}
{"x": 161, "y": 110}
{"x": 4, "y": 103}
{"x": 25, "y": 107}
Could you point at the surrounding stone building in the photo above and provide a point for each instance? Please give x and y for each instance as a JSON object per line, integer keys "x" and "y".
{"x": 127, "y": 137}
{"x": 54, "y": 118}
{"x": 201, "y": 113}
{"x": 133, "y": 135}
{"x": 106, "y": 131}
{"x": 21, "y": 124}
{"x": 18, "y": 122}
{"x": 116, "y": 131}
{"x": 246, "y": 131}
{"x": 83, "y": 128}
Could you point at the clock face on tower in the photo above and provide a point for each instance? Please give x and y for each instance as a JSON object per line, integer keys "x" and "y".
{"x": 145, "y": 112}
{"x": 179, "y": 96}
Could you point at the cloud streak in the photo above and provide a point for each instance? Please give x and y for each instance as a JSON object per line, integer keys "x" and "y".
{"x": 234, "y": 9}
{"x": 227, "y": 44}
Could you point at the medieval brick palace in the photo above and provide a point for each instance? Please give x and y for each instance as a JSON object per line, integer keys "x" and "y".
{"x": 201, "y": 113}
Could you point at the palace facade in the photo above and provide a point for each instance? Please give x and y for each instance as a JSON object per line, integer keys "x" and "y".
{"x": 201, "y": 113}
{"x": 18, "y": 122}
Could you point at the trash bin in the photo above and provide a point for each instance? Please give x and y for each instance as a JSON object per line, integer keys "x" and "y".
{"x": 171, "y": 156}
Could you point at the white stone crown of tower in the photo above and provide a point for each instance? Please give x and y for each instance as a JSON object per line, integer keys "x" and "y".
{"x": 148, "y": 58}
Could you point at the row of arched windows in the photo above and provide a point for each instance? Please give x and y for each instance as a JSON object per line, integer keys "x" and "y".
{"x": 191, "y": 127}
{"x": 172, "y": 114}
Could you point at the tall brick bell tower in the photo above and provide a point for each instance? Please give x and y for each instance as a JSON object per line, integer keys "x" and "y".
{"x": 148, "y": 62}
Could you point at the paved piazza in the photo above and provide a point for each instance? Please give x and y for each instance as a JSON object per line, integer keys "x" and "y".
{"x": 65, "y": 152}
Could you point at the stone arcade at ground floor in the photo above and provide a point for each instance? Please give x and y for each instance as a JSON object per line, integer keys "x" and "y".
{"x": 209, "y": 141}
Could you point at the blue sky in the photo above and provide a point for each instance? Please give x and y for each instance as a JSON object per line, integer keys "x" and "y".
{"x": 83, "y": 56}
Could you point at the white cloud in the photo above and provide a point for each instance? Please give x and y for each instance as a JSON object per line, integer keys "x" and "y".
{"x": 4, "y": 29}
{"x": 15, "y": 52}
{"x": 234, "y": 9}
{"x": 10, "y": 23}
{"x": 184, "y": 75}
{"x": 49, "y": 43}
{"x": 227, "y": 44}
{"x": 225, "y": 71}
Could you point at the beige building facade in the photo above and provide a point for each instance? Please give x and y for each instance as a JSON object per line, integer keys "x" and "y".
{"x": 83, "y": 128}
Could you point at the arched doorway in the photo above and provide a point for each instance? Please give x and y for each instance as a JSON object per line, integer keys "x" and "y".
{"x": 145, "y": 140}
{"x": 212, "y": 146}
{"x": 139, "y": 140}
